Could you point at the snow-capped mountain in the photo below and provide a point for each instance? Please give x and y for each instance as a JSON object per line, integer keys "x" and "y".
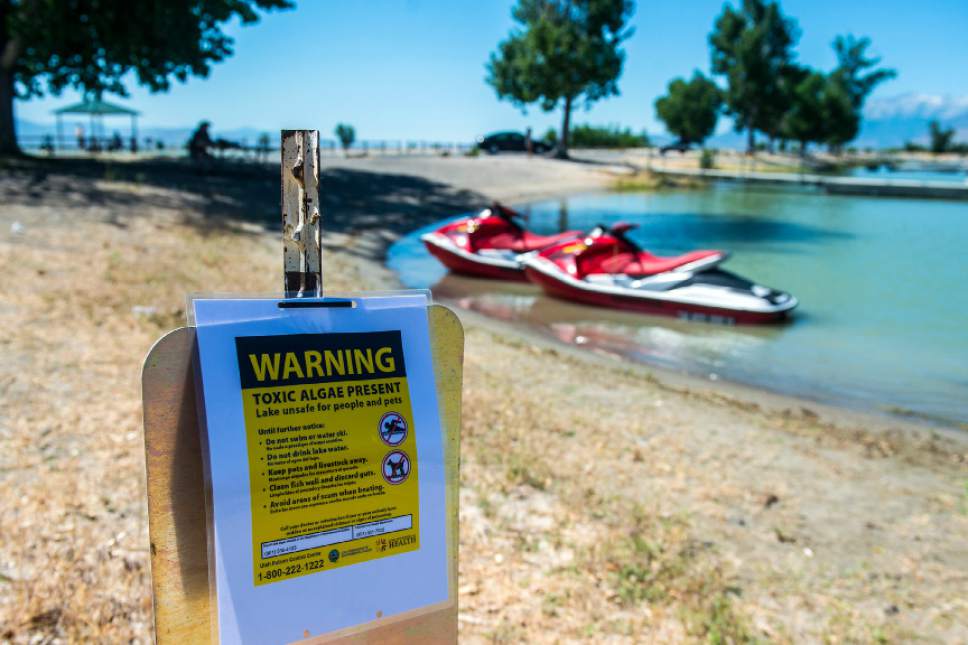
{"x": 930, "y": 106}
{"x": 890, "y": 122}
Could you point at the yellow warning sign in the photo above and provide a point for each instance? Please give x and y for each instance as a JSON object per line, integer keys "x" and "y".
{"x": 332, "y": 451}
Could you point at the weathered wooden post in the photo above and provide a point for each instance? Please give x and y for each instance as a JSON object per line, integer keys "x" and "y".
{"x": 302, "y": 250}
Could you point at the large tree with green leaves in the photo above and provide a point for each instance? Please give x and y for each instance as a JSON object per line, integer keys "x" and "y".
{"x": 841, "y": 118}
{"x": 92, "y": 45}
{"x": 848, "y": 87}
{"x": 752, "y": 47}
{"x": 856, "y": 71}
{"x": 561, "y": 52}
{"x": 690, "y": 108}
{"x": 805, "y": 118}
{"x": 828, "y": 107}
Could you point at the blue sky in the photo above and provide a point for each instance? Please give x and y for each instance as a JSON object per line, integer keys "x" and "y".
{"x": 415, "y": 68}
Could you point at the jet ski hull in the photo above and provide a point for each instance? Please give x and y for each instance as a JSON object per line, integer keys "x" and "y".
{"x": 713, "y": 296}
{"x": 461, "y": 261}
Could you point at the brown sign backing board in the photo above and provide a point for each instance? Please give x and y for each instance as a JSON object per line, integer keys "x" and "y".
{"x": 178, "y": 504}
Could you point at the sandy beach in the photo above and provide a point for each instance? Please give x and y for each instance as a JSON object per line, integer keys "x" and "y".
{"x": 635, "y": 506}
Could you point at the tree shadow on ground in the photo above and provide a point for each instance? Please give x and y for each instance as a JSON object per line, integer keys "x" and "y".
{"x": 353, "y": 201}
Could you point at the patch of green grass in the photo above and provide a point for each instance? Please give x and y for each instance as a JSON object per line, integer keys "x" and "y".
{"x": 523, "y": 473}
{"x": 647, "y": 181}
{"x": 659, "y": 563}
{"x": 486, "y": 506}
{"x": 717, "y": 621}
{"x": 550, "y": 604}
{"x": 649, "y": 570}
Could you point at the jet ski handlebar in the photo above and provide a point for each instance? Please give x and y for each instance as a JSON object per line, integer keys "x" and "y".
{"x": 621, "y": 228}
{"x": 499, "y": 209}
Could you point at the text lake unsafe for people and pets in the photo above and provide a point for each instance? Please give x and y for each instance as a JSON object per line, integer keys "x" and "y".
{"x": 325, "y": 455}
{"x": 333, "y": 466}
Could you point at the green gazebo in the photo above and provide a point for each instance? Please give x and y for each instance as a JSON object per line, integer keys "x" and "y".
{"x": 96, "y": 110}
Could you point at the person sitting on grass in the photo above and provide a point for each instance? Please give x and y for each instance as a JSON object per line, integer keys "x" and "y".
{"x": 200, "y": 142}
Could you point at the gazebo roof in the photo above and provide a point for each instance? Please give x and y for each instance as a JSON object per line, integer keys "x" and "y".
{"x": 95, "y": 106}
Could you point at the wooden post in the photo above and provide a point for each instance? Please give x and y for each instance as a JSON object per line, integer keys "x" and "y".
{"x": 302, "y": 251}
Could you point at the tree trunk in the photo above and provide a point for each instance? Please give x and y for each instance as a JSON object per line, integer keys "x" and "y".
{"x": 750, "y": 141}
{"x": 562, "y": 151}
{"x": 8, "y": 131}
{"x": 8, "y": 57}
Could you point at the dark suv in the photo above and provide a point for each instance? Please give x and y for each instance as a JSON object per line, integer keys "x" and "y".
{"x": 509, "y": 142}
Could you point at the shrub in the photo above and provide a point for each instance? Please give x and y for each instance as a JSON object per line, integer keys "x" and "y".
{"x": 707, "y": 160}
{"x": 611, "y": 136}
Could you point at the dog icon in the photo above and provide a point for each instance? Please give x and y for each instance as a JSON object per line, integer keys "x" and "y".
{"x": 396, "y": 467}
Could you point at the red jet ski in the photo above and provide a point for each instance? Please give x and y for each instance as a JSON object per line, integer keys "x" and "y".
{"x": 489, "y": 244}
{"x": 608, "y": 269}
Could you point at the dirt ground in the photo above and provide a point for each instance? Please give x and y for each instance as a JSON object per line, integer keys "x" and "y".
{"x": 627, "y": 507}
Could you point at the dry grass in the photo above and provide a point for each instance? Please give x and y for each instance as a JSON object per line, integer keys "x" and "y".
{"x": 645, "y": 180}
{"x": 541, "y": 522}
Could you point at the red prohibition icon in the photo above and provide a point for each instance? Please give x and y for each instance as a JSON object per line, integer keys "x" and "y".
{"x": 393, "y": 428}
{"x": 396, "y": 467}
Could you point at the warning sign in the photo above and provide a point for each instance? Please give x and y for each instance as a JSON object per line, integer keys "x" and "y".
{"x": 320, "y": 412}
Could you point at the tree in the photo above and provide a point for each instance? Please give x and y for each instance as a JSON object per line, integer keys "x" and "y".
{"x": 841, "y": 117}
{"x": 346, "y": 135}
{"x": 852, "y": 63}
{"x": 941, "y": 138}
{"x": 848, "y": 87}
{"x": 805, "y": 119}
{"x": 691, "y": 108}
{"x": 752, "y": 47}
{"x": 562, "y": 51}
{"x": 91, "y": 45}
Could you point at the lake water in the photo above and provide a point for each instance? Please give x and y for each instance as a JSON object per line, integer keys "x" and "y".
{"x": 916, "y": 172}
{"x": 882, "y": 284}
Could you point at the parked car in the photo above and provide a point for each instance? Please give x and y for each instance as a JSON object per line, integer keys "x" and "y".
{"x": 676, "y": 146}
{"x": 509, "y": 142}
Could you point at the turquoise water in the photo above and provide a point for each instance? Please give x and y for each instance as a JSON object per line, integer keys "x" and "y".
{"x": 883, "y": 287}
{"x": 913, "y": 172}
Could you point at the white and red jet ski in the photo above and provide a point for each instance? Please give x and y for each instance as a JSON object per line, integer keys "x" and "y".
{"x": 606, "y": 268}
{"x": 489, "y": 244}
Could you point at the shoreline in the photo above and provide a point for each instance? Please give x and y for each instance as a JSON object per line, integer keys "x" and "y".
{"x": 744, "y": 394}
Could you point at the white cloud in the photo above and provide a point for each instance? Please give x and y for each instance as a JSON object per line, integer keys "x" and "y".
{"x": 915, "y": 105}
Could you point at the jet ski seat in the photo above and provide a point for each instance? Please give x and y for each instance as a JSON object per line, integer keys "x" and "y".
{"x": 525, "y": 241}
{"x": 644, "y": 263}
